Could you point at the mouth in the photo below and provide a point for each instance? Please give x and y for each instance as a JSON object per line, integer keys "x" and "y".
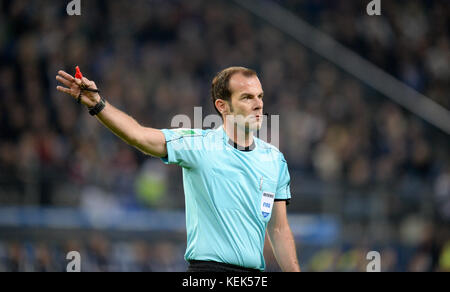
{"x": 252, "y": 118}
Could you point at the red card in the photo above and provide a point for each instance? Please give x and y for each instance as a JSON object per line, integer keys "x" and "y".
{"x": 78, "y": 74}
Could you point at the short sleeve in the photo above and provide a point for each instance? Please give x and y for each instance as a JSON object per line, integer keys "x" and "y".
{"x": 284, "y": 182}
{"x": 184, "y": 146}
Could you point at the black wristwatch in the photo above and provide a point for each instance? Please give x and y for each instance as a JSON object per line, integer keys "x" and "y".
{"x": 96, "y": 109}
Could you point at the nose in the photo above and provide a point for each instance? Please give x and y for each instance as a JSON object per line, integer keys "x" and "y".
{"x": 259, "y": 104}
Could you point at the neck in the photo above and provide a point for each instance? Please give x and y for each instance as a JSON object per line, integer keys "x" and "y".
{"x": 239, "y": 136}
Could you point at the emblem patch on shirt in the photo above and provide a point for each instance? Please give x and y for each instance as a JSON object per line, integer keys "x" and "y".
{"x": 267, "y": 203}
{"x": 184, "y": 132}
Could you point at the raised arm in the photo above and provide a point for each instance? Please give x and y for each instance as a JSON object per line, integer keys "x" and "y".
{"x": 148, "y": 140}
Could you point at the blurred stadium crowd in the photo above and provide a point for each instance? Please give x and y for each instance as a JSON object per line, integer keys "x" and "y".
{"x": 98, "y": 254}
{"x": 384, "y": 173}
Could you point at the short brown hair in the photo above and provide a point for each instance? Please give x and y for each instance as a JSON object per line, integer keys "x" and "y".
{"x": 220, "y": 85}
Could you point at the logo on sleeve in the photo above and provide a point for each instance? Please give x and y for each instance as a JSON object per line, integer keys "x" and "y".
{"x": 267, "y": 203}
{"x": 184, "y": 132}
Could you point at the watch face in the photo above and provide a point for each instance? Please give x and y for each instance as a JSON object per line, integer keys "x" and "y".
{"x": 97, "y": 108}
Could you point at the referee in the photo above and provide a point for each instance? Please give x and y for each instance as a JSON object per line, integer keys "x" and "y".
{"x": 236, "y": 185}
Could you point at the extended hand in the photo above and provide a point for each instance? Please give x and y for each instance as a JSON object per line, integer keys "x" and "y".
{"x": 75, "y": 86}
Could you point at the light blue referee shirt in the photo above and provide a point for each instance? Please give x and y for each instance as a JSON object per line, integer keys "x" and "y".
{"x": 229, "y": 194}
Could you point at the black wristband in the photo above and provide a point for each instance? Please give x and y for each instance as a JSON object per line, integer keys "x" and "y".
{"x": 95, "y": 110}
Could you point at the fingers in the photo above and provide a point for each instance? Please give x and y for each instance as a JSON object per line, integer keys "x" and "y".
{"x": 88, "y": 83}
{"x": 64, "y": 81}
{"x": 69, "y": 81}
{"x": 64, "y": 90}
{"x": 66, "y": 75}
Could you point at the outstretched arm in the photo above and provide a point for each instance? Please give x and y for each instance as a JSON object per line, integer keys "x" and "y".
{"x": 148, "y": 140}
{"x": 281, "y": 238}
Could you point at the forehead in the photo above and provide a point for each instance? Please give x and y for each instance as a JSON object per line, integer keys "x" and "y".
{"x": 242, "y": 84}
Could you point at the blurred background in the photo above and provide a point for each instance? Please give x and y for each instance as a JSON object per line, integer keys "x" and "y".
{"x": 367, "y": 174}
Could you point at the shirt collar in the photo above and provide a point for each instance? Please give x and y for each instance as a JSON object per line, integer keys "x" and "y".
{"x": 236, "y": 146}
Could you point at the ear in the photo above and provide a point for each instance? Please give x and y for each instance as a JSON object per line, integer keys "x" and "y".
{"x": 222, "y": 106}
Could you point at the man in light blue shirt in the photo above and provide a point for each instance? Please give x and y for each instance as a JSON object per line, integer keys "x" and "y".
{"x": 236, "y": 185}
